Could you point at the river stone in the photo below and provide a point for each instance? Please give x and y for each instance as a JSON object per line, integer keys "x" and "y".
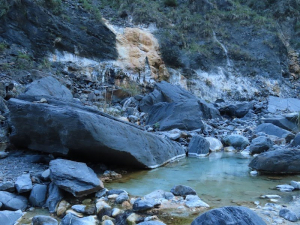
{"x": 7, "y": 186}
{"x": 10, "y": 217}
{"x": 38, "y": 195}
{"x": 181, "y": 190}
{"x": 74, "y": 177}
{"x": 237, "y": 215}
{"x": 214, "y": 144}
{"x": 142, "y": 205}
{"x": 122, "y": 198}
{"x": 295, "y": 184}
{"x": 55, "y": 195}
{"x": 23, "y": 183}
{"x": 74, "y": 220}
{"x": 260, "y": 144}
{"x": 285, "y": 188}
{"x": 288, "y": 215}
{"x": 67, "y": 128}
{"x": 296, "y": 141}
{"x": 272, "y": 129}
{"x": 236, "y": 141}
{"x": 44, "y": 220}
{"x": 277, "y": 161}
{"x": 198, "y": 146}
{"x": 46, "y": 175}
{"x": 49, "y": 86}
{"x": 13, "y": 202}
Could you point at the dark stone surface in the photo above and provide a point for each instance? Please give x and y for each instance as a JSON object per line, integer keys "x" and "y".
{"x": 237, "y": 215}
{"x": 7, "y": 186}
{"x": 122, "y": 198}
{"x": 55, "y": 195}
{"x": 181, "y": 190}
{"x": 237, "y": 141}
{"x": 198, "y": 146}
{"x": 74, "y": 177}
{"x": 142, "y": 205}
{"x": 67, "y": 128}
{"x": 38, "y": 195}
{"x": 296, "y": 141}
{"x": 277, "y": 161}
{"x": 288, "y": 215}
{"x": 10, "y": 217}
{"x": 74, "y": 220}
{"x": 283, "y": 123}
{"x": 23, "y": 183}
{"x": 260, "y": 144}
{"x": 238, "y": 110}
{"x": 272, "y": 129}
{"x": 44, "y": 220}
{"x": 13, "y": 202}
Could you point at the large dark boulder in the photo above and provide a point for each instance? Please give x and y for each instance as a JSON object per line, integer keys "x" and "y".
{"x": 67, "y": 128}
{"x": 272, "y": 129}
{"x": 171, "y": 106}
{"x": 277, "y": 161}
{"x": 74, "y": 177}
{"x": 283, "y": 123}
{"x": 198, "y": 146}
{"x": 237, "y": 110}
{"x": 237, "y": 215}
{"x": 260, "y": 144}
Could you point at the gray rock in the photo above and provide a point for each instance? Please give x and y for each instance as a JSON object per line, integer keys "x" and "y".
{"x": 122, "y": 198}
{"x": 55, "y": 195}
{"x": 142, "y": 205}
{"x": 79, "y": 208}
{"x": 285, "y": 188}
{"x": 23, "y": 183}
{"x": 283, "y": 123}
{"x": 238, "y": 110}
{"x": 283, "y": 104}
{"x": 74, "y": 220}
{"x": 214, "y": 144}
{"x": 198, "y": 146}
{"x": 67, "y": 128}
{"x": 115, "y": 191}
{"x": 74, "y": 177}
{"x": 236, "y": 141}
{"x": 7, "y": 186}
{"x": 44, "y": 220}
{"x": 193, "y": 201}
{"x": 260, "y": 144}
{"x": 169, "y": 195}
{"x": 10, "y": 217}
{"x": 296, "y": 141}
{"x": 288, "y": 215}
{"x": 277, "y": 161}
{"x": 101, "y": 193}
{"x": 13, "y": 202}
{"x": 38, "y": 195}
{"x": 295, "y": 184}
{"x": 181, "y": 190}
{"x": 272, "y": 129}
{"x": 46, "y": 175}
{"x": 151, "y": 223}
{"x": 229, "y": 215}
{"x": 49, "y": 86}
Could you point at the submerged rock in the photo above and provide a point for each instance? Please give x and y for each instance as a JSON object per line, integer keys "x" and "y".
{"x": 67, "y": 128}
{"x": 198, "y": 146}
{"x": 229, "y": 215}
{"x": 277, "y": 161}
{"x": 74, "y": 177}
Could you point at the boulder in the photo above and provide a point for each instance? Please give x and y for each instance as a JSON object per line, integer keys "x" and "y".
{"x": 44, "y": 220}
{"x": 296, "y": 141}
{"x": 13, "y": 202}
{"x": 10, "y": 217}
{"x": 237, "y": 141}
{"x": 229, "y": 215}
{"x": 214, "y": 144}
{"x": 198, "y": 146}
{"x": 288, "y": 215}
{"x": 7, "y": 186}
{"x": 237, "y": 110}
{"x": 283, "y": 123}
{"x": 55, "y": 195}
{"x": 122, "y": 198}
{"x": 277, "y": 161}
{"x": 272, "y": 129}
{"x": 23, "y": 183}
{"x": 283, "y": 104}
{"x": 142, "y": 205}
{"x": 67, "y": 128}
{"x": 38, "y": 195}
{"x": 74, "y": 177}
{"x": 49, "y": 86}
{"x": 260, "y": 144}
{"x": 72, "y": 219}
{"x": 181, "y": 190}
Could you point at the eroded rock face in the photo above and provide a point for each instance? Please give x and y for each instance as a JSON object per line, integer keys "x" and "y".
{"x": 67, "y": 128}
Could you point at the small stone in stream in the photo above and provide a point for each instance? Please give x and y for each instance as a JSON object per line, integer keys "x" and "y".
{"x": 13, "y": 202}
{"x": 62, "y": 208}
{"x": 3, "y": 155}
{"x": 126, "y": 205}
{"x": 181, "y": 190}
{"x": 7, "y": 186}
{"x": 54, "y": 197}
{"x": 288, "y": 215}
{"x": 23, "y": 183}
{"x": 142, "y": 205}
{"x": 101, "y": 193}
{"x": 237, "y": 141}
{"x": 285, "y": 188}
{"x": 73, "y": 212}
{"x": 270, "y": 196}
{"x": 110, "y": 175}
{"x": 10, "y": 217}
{"x": 254, "y": 173}
{"x": 74, "y": 177}
{"x": 71, "y": 219}
{"x": 44, "y": 220}
{"x": 122, "y": 198}
{"x": 46, "y": 175}
{"x": 79, "y": 208}
{"x": 214, "y": 144}
{"x": 133, "y": 218}
{"x": 152, "y": 223}
{"x": 193, "y": 201}
{"x": 38, "y": 195}
{"x": 198, "y": 146}
{"x": 295, "y": 184}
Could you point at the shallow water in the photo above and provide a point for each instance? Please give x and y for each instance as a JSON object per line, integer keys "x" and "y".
{"x": 220, "y": 179}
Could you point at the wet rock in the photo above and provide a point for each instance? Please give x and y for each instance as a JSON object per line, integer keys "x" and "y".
{"x": 99, "y": 136}
{"x": 198, "y": 146}
{"x": 277, "y": 161}
{"x": 71, "y": 219}
{"x": 296, "y": 185}
{"x": 181, "y": 190}
{"x": 193, "y": 201}
{"x": 229, "y": 215}
{"x": 236, "y": 141}
{"x": 122, "y": 198}
{"x": 288, "y": 215}
{"x": 214, "y": 144}
{"x": 296, "y": 141}
{"x": 285, "y": 188}
{"x": 13, "y": 202}
{"x": 10, "y": 217}
{"x": 74, "y": 177}
{"x": 23, "y": 183}
{"x": 260, "y": 144}
{"x": 7, "y": 186}
{"x": 272, "y": 129}
{"x": 49, "y": 86}
{"x": 142, "y": 205}
{"x": 55, "y": 195}
{"x": 283, "y": 104}
{"x": 38, "y": 195}
{"x": 44, "y": 220}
